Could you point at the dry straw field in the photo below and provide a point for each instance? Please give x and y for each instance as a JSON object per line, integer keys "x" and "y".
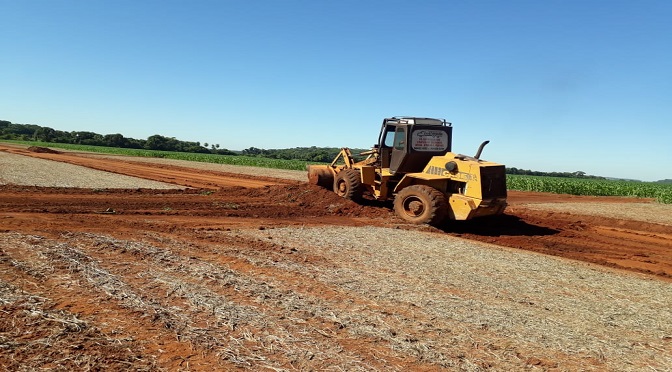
{"x": 289, "y": 277}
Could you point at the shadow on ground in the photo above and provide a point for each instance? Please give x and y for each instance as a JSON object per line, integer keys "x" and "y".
{"x": 504, "y": 225}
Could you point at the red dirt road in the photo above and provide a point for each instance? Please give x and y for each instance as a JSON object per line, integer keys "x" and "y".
{"x": 630, "y": 245}
{"x": 225, "y": 199}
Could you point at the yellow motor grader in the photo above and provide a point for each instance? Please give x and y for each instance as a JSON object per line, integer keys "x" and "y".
{"x": 413, "y": 163}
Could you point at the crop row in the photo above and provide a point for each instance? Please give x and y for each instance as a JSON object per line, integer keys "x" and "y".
{"x": 593, "y": 187}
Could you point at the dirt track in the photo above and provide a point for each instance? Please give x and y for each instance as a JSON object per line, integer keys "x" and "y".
{"x": 54, "y": 237}
{"x": 635, "y": 245}
{"x": 183, "y": 176}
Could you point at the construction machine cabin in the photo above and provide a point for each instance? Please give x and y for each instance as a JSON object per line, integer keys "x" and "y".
{"x": 413, "y": 164}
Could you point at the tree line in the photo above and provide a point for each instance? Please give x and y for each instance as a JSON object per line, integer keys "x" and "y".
{"x": 33, "y": 132}
{"x": 311, "y": 154}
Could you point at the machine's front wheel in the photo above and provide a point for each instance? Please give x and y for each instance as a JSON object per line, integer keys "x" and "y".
{"x": 421, "y": 204}
{"x": 348, "y": 184}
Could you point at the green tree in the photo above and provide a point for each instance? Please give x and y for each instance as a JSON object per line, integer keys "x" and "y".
{"x": 114, "y": 140}
{"x": 156, "y": 142}
{"x": 44, "y": 134}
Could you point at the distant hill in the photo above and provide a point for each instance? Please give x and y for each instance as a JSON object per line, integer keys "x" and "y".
{"x": 665, "y": 181}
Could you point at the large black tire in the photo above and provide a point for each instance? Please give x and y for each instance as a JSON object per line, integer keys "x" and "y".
{"x": 421, "y": 204}
{"x": 348, "y": 184}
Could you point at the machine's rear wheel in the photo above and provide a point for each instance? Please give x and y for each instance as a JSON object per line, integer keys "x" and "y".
{"x": 348, "y": 184}
{"x": 421, "y": 204}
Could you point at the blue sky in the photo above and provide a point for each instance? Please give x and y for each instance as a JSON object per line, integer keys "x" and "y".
{"x": 554, "y": 85}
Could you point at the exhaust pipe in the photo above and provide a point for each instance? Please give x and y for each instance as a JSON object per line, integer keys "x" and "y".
{"x": 480, "y": 149}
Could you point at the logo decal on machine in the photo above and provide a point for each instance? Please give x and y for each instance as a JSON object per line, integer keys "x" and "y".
{"x": 463, "y": 176}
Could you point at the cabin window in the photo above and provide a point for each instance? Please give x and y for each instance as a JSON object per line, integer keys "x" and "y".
{"x": 400, "y": 139}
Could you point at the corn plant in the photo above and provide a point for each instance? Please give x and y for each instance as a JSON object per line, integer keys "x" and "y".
{"x": 593, "y": 187}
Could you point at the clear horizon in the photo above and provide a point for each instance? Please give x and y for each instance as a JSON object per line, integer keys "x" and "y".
{"x": 555, "y": 86}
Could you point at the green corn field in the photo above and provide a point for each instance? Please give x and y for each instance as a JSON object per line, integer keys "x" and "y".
{"x": 593, "y": 187}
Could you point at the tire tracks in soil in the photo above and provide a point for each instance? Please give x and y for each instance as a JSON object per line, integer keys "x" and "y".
{"x": 66, "y": 289}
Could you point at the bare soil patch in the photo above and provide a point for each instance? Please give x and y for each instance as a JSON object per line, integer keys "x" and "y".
{"x": 280, "y": 275}
{"x": 43, "y": 150}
